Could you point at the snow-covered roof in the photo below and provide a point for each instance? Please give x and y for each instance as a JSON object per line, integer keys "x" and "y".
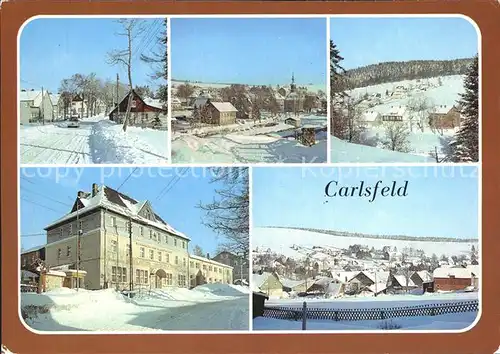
{"x": 370, "y": 116}
{"x": 153, "y": 102}
{"x": 207, "y": 260}
{"x": 27, "y": 274}
{"x": 259, "y": 279}
{"x": 35, "y": 96}
{"x": 120, "y": 203}
{"x": 442, "y": 109}
{"x": 54, "y": 98}
{"x": 32, "y": 249}
{"x": 401, "y": 279}
{"x": 395, "y": 111}
{"x": 224, "y": 107}
{"x": 56, "y": 273}
{"x": 291, "y": 283}
{"x": 200, "y": 101}
{"x": 377, "y": 287}
{"x": 462, "y": 273}
{"x": 425, "y": 276}
{"x": 377, "y": 277}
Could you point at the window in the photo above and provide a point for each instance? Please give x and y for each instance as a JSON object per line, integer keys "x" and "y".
{"x": 150, "y": 234}
{"x": 137, "y": 276}
{"x": 184, "y": 262}
{"x": 154, "y": 236}
{"x": 176, "y": 260}
{"x": 183, "y": 244}
{"x": 215, "y": 269}
{"x": 58, "y": 253}
{"x": 209, "y": 268}
{"x": 114, "y": 246}
{"x": 220, "y": 270}
{"x": 68, "y": 251}
{"x": 142, "y": 252}
{"x": 151, "y": 254}
{"x": 167, "y": 258}
{"x": 197, "y": 265}
{"x": 146, "y": 277}
{"x": 141, "y": 231}
{"x": 169, "y": 279}
{"x": 204, "y": 267}
{"x": 166, "y": 238}
{"x": 70, "y": 229}
{"x": 181, "y": 280}
{"x": 60, "y": 231}
{"x": 159, "y": 257}
{"x": 175, "y": 242}
{"x": 127, "y": 226}
{"x": 191, "y": 264}
{"x": 113, "y": 274}
{"x": 113, "y": 221}
{"x": 124, "y": 275}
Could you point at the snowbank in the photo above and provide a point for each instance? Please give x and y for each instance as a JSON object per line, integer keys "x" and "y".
{"x": 224, "y": 289}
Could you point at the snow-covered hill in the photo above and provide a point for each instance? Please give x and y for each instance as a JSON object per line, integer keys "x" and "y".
{"x": 280, "y": 240}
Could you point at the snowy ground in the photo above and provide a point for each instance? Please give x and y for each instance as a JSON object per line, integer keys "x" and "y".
{"x": 455, "y": 321}
{"x": 280, "y": 240}
{"x": 97, "y": 141}
{"x": 246, "y": 143}
{"x": 342, "y": 151}
{"x": 207, "y": 307}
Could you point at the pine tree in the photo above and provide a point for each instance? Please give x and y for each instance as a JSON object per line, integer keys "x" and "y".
{"x": 338, "y": 119}
{"x": 465, "y": 147}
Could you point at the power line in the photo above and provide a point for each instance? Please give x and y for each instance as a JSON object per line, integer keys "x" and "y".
{"x": 27, "y": 180}
{"x": 41, "y": 205}
{"x": 126, "y": 179}
{"x": 46, "y": 196}
{"x": 33, "y": 235}
{"x": 171, "y": 185}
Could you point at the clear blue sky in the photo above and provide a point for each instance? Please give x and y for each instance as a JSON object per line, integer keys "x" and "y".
{"x": 261, "y": 51}
{"x": 365, "y": 41}
{"x": 177, "y": 207}
{"x": 52, "y": 49}
{"x": 441, "y": 202}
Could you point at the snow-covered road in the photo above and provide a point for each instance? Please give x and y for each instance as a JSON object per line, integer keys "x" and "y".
{"x": 94, "y": 142}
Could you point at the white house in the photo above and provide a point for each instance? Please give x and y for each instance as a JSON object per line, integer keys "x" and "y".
{"x": 57, "y": 105}
{"x": 35, "y": 106}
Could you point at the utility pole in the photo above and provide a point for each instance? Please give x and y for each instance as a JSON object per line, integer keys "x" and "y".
{"x": 41, "y": 109}
{"x": 77, "y": 243}
{"x": 117, "y": 95}
{"x": 130, "y": 254}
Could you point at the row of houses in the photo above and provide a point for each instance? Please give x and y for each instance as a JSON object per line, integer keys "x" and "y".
{"x": 43, "y": 106}
{"x": 376, "y": 282}
{"x": 442, "y": 116}
{"x": 121, "y": 242}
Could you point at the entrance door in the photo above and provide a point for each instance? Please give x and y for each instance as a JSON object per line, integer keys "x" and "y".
{"x": 158, "y": 281}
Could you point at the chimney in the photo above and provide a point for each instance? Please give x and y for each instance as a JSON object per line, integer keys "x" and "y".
{"x": 95, "y": 189}
{"x": 208, "y": 255}
{"x": 81, "y": 194}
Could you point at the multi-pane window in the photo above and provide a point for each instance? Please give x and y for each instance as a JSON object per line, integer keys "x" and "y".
{"x": 184, "y": 262}
{"x": 181, "y": 280}
{"x": 166, "y": 238}
{"x": 58, "y": 253}
{"x": 167, "y": 256}
{"x": 113, "y": 274}
{"x": 159, "y": 257}
{"x": 60, "y": 231}
{"x": 68, "y": 251}
{"x": 176, "y": 260}
{"x": 113, "y": 221}
{"x": 175, "y": 242}
{"x": 142, "y": 252}
{"x": 169, "y": 279}
{"x": 197, "y": 265}
{"x": 150, "y": 234}
{"x": 124, "y": 275}
{"x": 151, "y": 254}
{"x": 183, "y": 244}
{"x": 70, "y": 229}
{"x": 146, "y": 277}
{"x": 141, "y": 231}
{"x": 137, "y": 276}
{"x": 209, "y": 268}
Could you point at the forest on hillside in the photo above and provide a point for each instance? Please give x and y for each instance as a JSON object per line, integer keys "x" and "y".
{"x": 381, "y": 73}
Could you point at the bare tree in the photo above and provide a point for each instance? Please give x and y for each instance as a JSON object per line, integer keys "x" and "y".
{"x": 396, "y": 137}
{"x": 229, "y": 214}
{"x": 131, "y": 29}
{"x": 68, "y": 90}
{"x": 256, "y": 115}
{"x": 419, "y": 108}
{"x": 184, "y": 91}
{"x": 198, "y": 251}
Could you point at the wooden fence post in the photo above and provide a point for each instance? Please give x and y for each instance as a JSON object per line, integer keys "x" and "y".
{"x": 304, "y": 315}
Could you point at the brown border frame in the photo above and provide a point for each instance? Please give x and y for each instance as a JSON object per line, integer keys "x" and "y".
{"x": 484, "y": 338}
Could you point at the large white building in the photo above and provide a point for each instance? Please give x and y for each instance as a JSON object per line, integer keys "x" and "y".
{"x": 108, "y": 223}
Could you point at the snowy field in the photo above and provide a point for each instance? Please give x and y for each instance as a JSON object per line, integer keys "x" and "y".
{"x": 96, "y": 141}
{"x": 440, "y": 91}
{"x": 454, "y": 321}
{"x": 342, "y": 151}
{"x": 207, "y": 307}
{"x": 247, "y": 144}
{"x": 280, "y": 240}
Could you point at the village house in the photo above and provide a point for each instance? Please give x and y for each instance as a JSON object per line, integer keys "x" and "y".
{"x": 207, "y": 271}
{"x": 456, "y": 278}
{"x": 79, "y": 106}
{"x": 30, "y": 258}
{"x": 371, "y": 118}
{"x": 176, "y": 103}
{"x": 144, "y": 112}
{"x": 267, "y": 283}
{"x": 57, "y": 105}
{"x": 35, "y": 106}
{"x": 445, "y": 117}
{"x": 221, "y": 113}
{"x": 293, "y": 121}
{"x": 395, "y": 114}
{"x": 374, "y": 282}
{"x": 239, "y": 264}
{"x": 123, "y": 242}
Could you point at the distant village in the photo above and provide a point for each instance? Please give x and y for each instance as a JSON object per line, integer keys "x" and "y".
{"x": 195, "y": 104}
{"x": 324, "y": 271}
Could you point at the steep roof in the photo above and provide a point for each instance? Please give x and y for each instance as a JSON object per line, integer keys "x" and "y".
{"x": 54, "y": 98}
{"x": 110, "y": 199}
{"x": 224, "y": 106}
{"x": 461, "y": 273}
{"x": 35, "y": 96}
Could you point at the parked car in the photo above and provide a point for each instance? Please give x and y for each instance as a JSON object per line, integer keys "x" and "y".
{"x": 73, "y": 122}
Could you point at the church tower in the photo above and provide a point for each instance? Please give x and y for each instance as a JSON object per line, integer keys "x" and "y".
{"x": 292, "y": 85}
